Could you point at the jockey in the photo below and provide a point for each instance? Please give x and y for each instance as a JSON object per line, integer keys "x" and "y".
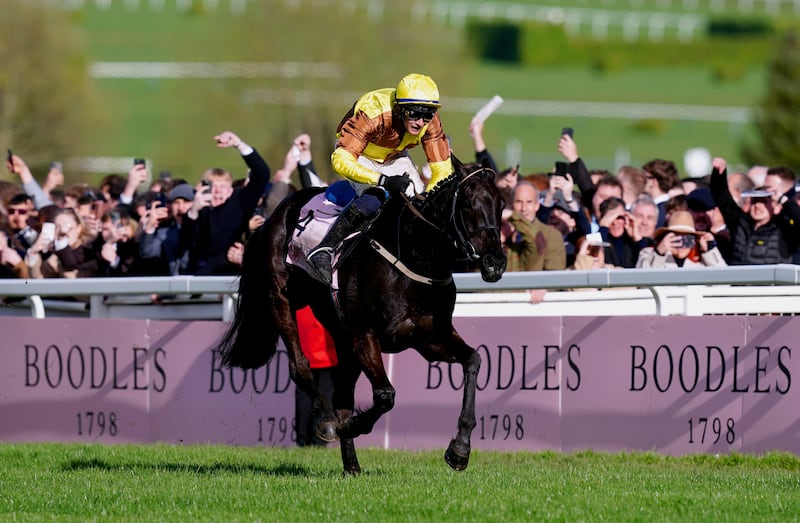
{"x": 372, "y": 154}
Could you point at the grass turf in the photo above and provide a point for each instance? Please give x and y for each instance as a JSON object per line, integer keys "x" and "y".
{"x": 69, "y": 482}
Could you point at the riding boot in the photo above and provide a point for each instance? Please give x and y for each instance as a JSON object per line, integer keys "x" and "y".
{"x": 321, "y": 258}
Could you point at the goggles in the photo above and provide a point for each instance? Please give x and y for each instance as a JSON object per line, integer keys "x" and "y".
{"x": 418, "y": 112}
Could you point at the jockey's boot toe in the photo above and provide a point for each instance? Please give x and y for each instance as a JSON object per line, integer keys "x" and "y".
{"x": 320, "y": 262}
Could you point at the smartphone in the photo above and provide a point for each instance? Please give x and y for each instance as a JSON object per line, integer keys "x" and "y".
{"x": 11, "y": 160}
{"x": 48, "y": 231}
{"x": 139, "y": 161}
{"x": 687, "y": 241}
{"x": 206, "y": 186}
{"x": 58, "y": 166}
{"x": 115, "y": 218}
{"x": 561, "y": 169}
{"x": 568, "y": 131}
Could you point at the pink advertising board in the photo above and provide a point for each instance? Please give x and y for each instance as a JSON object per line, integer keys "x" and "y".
{"x": 674, "y": 385}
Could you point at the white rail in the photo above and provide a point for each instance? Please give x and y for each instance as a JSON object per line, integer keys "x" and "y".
{"x": 754, "y": 289}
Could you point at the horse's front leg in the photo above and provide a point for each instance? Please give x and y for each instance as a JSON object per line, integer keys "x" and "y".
{"x": 457, "y": 454}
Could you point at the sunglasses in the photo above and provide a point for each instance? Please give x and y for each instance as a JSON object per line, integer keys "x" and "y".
{"x": 21, "y": 212}
{"x": 416, "y": 113}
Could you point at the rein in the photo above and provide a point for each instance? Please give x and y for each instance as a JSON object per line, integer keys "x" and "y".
{"x": 461, "y": 242}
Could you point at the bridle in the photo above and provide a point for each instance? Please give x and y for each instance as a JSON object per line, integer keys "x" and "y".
{"x": 462, "y": 244}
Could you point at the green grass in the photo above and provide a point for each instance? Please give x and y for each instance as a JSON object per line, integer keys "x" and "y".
{"x": 57, "y": 482}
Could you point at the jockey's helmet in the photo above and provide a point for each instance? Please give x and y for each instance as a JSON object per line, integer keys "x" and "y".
{"x": 417, "y": 89}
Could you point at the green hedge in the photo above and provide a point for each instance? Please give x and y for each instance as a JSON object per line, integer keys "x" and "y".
{"x": 727, "y": 52}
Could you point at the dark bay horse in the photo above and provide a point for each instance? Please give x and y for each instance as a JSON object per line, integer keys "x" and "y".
{"x": 396, "y": 291}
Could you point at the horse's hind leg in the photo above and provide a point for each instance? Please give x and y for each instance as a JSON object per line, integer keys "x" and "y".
{"x": 345, "y": 377}
{"x": 368, "y": 352}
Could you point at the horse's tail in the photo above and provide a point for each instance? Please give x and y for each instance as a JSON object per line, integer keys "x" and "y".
{"x": 252, "y": 337}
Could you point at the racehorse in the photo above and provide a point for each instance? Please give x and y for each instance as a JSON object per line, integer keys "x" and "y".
{"x": 395, "y": 291}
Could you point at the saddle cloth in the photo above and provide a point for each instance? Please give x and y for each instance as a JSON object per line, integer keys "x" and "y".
{"x": 316, "y": 218}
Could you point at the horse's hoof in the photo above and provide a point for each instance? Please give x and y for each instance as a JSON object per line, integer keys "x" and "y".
{"x": 458, "y": 459}
{"x": 326, "y": 431}
{"x": 352, "y": 471}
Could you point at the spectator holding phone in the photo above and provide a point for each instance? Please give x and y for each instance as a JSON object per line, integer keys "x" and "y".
{"x": 220, "y": 213}
{"x": 117, "y": 251}
{"x": 679, "y": 244}
{"x": 162, "y": 247}
{"x": 768, "y": 231}
{"x": 12, "y": 265}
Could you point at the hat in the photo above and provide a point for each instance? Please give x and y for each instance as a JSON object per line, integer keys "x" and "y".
{"x": 596, "y": 239}
{"x": 680, "y": 222}
{"x": 183, "y": 190}
{"x": 700, "y": 200}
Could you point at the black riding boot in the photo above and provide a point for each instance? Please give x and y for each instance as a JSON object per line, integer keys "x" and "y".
{"x": 321, "y": 257}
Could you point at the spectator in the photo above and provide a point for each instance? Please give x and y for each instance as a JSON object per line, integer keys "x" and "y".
{"x": 220, "y": 213}
{"x": 91, "y": 205}
{"x": 506, "y": 180}
{"x": 74, "y": 255}
{"x": 606, "y": 188}
{"x": 662, "y": 176}
{"x": 116, "y": 249}
{"x": 679, "y": 244}
{"x": 757, "y": 175}
{"x": 780, "y": 181}
{"x": 21, "y": 218}
{"x": 481, "y": 152}
{"x": 633, "y": 181}
{"x": 577, "y": 169}
{"x": 591, "y": 253}
{"x": 708, "y": 218}
{"x": 768, "y": 232}
{"x": 562, "y": 210}
{"x": 30, "y": 186}
{"x": 645, "y": 212}
{"x": 619, "y": 229}
{"x": 532, "y": 245}
{"x": 42, "y": 250}
{"x": 163, "y": 249}
{"x": 739, "y": 183}
{"x": 12, "y": 265}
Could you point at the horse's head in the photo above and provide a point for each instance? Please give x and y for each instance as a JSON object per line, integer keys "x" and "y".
{"x": 472, "y": 218}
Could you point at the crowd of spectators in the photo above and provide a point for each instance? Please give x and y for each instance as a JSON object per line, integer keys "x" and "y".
{"x": 125, "y": 227}
{"x": 573, "y": 217}
{"x": 647, "y": 216}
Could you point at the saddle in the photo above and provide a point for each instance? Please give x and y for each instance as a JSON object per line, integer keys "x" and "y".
{"x": 314, "y": 221}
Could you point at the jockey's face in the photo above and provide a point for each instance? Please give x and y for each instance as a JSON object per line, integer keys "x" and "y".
{"x": 416, "y": 117}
